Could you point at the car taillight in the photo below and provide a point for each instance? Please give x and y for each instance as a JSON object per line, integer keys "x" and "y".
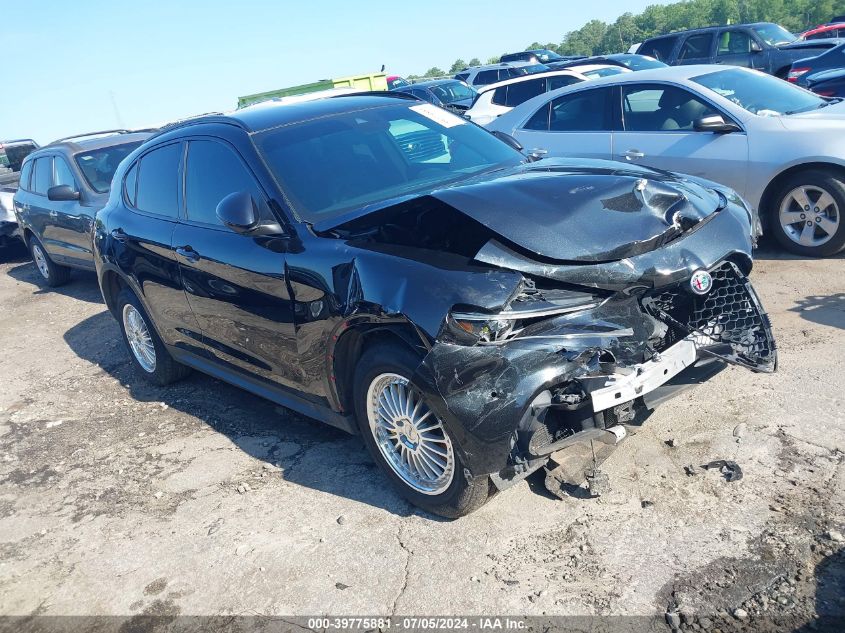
{"x": 795, "y": 73}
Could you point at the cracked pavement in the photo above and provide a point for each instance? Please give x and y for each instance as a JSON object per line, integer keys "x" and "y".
{"x": 117, "y": 497}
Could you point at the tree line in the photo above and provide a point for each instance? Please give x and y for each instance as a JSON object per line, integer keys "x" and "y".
{"x": 597, "y": 37}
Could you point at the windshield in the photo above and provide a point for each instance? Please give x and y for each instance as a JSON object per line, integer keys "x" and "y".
{"x": 453, "y": 91}
{"x": 98, "y": 166}
{"x": 355, "y": 159}
{"x": 774, "y": 35}
{"x": 545, "y": 55}
{"x": 760, "y": 94}
{"x": 604, "y": 72}
{"x": 11, "y": 156}
{"x": 639, "y": 62}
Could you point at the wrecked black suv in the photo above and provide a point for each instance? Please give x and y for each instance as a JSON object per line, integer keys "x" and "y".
{"x": 391, "y": 269}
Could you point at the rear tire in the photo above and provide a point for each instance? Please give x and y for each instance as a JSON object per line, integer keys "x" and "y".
{"x": 146, "y": 349}
{"x": 806, "y": 213}
{"x": 384, "y": 369}
{"x": 52, "y": 273}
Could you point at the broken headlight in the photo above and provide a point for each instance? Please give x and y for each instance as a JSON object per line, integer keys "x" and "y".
{"x": 530, "y": 306}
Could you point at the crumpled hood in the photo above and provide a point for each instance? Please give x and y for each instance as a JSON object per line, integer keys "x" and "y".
{"x": 582, "y": 210}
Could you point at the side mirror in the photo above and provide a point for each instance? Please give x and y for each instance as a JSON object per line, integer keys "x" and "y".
{"x": 715, "y": 124}
{"x": 239, "y": 211}
{"x": 755, "y": 47}
{"x": 62, "y": 193}
{"x": 507, "y": 138}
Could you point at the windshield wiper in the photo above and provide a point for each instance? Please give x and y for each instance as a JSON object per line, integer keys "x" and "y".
{"x": 823, "y": 104}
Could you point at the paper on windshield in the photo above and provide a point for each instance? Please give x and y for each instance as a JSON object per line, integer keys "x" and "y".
{"x": 438, "y": 115}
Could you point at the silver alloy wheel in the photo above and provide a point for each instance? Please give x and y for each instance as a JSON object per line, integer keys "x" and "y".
{"x": 41, "y": 261}
{"x": 809, "y": 216}
{"x": 409, "y": 436}
{"x": 140, "y": 341}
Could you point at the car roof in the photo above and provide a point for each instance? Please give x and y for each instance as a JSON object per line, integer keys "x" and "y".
{"x": 516, "y": 64}
{"x": 256, "y": 119}
{"x": 521, "y": 78}
{"x": 99, "y": 142}
{"x": 708, "y": 28}
{"x": 824, "y": 27}
{"x": 670, "y": 73}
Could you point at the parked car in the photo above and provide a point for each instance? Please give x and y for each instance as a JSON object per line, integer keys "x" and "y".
{"x": 12, "y": 154}
{"x": 836, "y": 29}
{"x": 537, "y": 56}
{"x": 625, "y": 60}
{"x": 491, "y": 73}
{"x": 495, "y": 99}
{"x": 763, "y": 46}
{"x": 62, "y": 186}
{"x": 468, "y": 315}
{"x": 802, "y": 69}
{"x": 777, "y": 145}
{"x": 827, "y": 83}
{"x": 395, "y": 81}
{"x": 446, "y": 93}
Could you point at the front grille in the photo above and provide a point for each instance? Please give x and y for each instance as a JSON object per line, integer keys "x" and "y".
{"x": 729, "y": 314}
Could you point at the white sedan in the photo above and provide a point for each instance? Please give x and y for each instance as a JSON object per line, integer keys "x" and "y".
{"x": 777, "y": 145}
{"x": 496, "y": 99}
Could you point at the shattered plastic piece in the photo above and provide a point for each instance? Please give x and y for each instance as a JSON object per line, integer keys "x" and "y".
{"x": 598, "y": 482}
{"x": 729, "y": 469}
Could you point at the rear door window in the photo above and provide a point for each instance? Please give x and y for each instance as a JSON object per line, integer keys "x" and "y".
{"x": 158, "y": 181}
{"x": 659, "y": 48}
{"x": 696, "y": 47}
{"x": 212, "y": 172}
{"x": 486, "y": 77}
{"x": 43, "y": 178}
{"x": 524, "y": 90}
{"x": 584, "y": 111}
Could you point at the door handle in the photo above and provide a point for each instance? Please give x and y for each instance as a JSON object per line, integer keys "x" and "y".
{"x": 188, "y": 253}
{"x": 633, "y": 153}
{"x": 54, "y": 214}
{"x": 119, "y": 235}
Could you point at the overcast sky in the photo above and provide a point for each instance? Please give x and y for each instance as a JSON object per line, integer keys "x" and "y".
{"x": 77, "y": 66}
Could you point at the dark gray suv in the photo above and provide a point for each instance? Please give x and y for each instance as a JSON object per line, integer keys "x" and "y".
{"x": 62, "y": 186}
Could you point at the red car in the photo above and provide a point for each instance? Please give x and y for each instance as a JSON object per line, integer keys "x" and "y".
{"x": 834, "y": 29}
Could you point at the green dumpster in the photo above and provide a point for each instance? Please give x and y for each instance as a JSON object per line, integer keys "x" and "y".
{"x": 374, "y": 81}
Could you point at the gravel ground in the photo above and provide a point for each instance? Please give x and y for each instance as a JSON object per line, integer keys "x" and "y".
{"x": 119, "y": 498}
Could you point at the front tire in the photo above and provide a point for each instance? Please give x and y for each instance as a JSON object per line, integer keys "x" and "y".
{"x": 806, "y": 214}
{"x": 146, "y": 349}
{"x": 52, "y": 273}
{"x": 410, "y": 444}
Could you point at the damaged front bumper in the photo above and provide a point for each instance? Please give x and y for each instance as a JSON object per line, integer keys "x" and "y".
{"x": 572, "y": 382}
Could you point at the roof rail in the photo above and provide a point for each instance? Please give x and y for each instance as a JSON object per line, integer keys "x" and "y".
{"x": 87, "y": 134}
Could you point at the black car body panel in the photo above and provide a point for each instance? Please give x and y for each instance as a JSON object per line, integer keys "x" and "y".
{"x": 594, "y": 258}
{"x": 828, "y": 83}
{"x": 702, "y": 46}
{"x": 813, "y": 68}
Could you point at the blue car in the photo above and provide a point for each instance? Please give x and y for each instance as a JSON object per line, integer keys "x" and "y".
{"x": 804, "y": 69}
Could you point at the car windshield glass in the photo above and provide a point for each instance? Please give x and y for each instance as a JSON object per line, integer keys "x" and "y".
{"x": 604, "y": 72}
{"x": 640, "y": 62}
{"x": 355, "y": 159}
{"x": 774, "y": 35}
{"x": 545, "y": 55}
{"x": 760, "y": 94}
{"x": 98, "y": 166}
{"x": 453, "y": 91}
{"x": 11, "y": 156}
